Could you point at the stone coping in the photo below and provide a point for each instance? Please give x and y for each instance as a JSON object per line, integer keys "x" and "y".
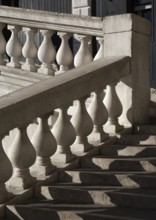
{"x": 80, "y": 24}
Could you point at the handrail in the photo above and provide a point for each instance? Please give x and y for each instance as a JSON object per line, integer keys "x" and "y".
{"x": 51, "y": 21}
{"x": 22, "y": 106}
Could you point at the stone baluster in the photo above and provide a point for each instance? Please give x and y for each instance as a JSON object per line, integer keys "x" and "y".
{"x": 64, "y": 134}
{"x": 83, "y": 125}
{"x": 97, "y": 109}
{"x": 2, "y": 45}
{"x": 46, "y": 53}
{"x": 45, "y": 146}
{"x": 64, "y": 55}
{"x": 84, "y": 54}
{"x": 99, "y": 116}
{"x": 114, "y": 109}
{"x": 100, "y": 52}
{"x": 14, "y": 47}
{"x": 5, "y": 173}
{"x": 22, "y": 156}
{"x": 29, "y": 50}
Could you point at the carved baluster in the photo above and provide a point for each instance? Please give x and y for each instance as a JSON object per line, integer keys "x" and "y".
{"x": 22, "y": 156}
{"x": 114, "y": 109}
{"x": 84, "y": 54}
{"x": 99, "y": 116}
{"x": 14, "y": 47}
{"x": 2, "y": 45}
{"x": 29, "y": 50}
{"x": 83, "y": 125}
{"x": 64, "y": 134}
{"x": 5, "y": 173}
{"x": 97, "y": 110}
{"x": 64, "y": 55}
{"x": 46, "y": 53}
{"x": 45, "y": 146}
{"x": 100, "y": 52}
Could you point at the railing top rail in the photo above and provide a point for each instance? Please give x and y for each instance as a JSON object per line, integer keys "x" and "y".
{"x": 22, "y": 106}
{"x": 54, "y": 21}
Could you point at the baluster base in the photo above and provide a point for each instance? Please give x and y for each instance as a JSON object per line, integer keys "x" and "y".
{"x": 29, "y": 67}
{"x": 14, "y": 63}
{"x": 21, "y": 180}
{"x": 62, "y": 69}
{"x": 113, "y": 128}
{"x": 62, "y": 158}
{"x": 42, "y": 168}
{"x": 46, "y": 69}
{"x": 98, "y": 137}
{"x": 81, "y": 145}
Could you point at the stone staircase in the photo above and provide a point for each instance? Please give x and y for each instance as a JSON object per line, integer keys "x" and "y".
{"x": 14, "y": 79}
{"x": 118, "y": 183}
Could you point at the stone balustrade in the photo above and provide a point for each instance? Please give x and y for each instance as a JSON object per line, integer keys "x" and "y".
{"x": 33, "y": 159}
{"x": 44, "y": 58}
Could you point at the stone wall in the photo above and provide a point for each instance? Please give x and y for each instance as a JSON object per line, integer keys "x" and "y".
{"x": 81, "y": 7}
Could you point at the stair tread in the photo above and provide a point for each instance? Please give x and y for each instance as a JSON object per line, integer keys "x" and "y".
{"x": 95, "y": 211}
{"x": 15, "y": 81}
{"x": 109, "y": 172}
{"x": 121, "y": 189}
{"x": 127, "y": 158}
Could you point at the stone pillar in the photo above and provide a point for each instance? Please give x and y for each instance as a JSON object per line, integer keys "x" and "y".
{"x": 81, "y": 7}
{"x": 129, "y": 35}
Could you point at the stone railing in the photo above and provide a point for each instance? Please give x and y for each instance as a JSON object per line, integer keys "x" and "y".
{"x": 33, "y": 159}
{"x": 122, "y": 35}
{"x": 33, "y": 23}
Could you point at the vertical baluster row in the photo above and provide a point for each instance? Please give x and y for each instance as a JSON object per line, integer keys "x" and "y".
{"x": 29, "y": 50}
{"x": 84, "y": 54}
{"x": 65, "y": 135}
{"x": 22, "y": 156}
{"x": 64, "y": 55}
{"x": 45, "y": 146}
{"x": 83, "y": 126}
{"x": 46, "y": 53}
{"x": 14, "y": 47}
{"x": 114, "y": 109}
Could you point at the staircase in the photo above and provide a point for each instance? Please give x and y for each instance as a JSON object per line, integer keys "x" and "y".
{"x": 117, "y": 183}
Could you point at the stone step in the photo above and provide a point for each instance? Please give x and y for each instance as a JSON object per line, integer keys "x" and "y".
{"x": 7, "y": 88}
{"x": 22, "y": 74}
{"x": 145, "y": 129}
{"x": 137, "y": 139}
{"x": 120, "y": 163}
{"x": 15, "y": 81}
{"x": 132, "y": 198}
{"x": 79, "y": 212}
{"x": 101, "y": 178}
{"x": 124, "y": 150}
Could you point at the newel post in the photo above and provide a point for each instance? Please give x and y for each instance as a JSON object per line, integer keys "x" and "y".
{"x": 129, "y": 35}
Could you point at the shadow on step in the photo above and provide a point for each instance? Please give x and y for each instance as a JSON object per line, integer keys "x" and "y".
{"x": 120, "y": 164}
{"x": 128, "y": 151}
{"x": 136, "y": 139}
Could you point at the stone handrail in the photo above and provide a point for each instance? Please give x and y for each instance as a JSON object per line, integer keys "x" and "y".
{"x": 52, "y": 21}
